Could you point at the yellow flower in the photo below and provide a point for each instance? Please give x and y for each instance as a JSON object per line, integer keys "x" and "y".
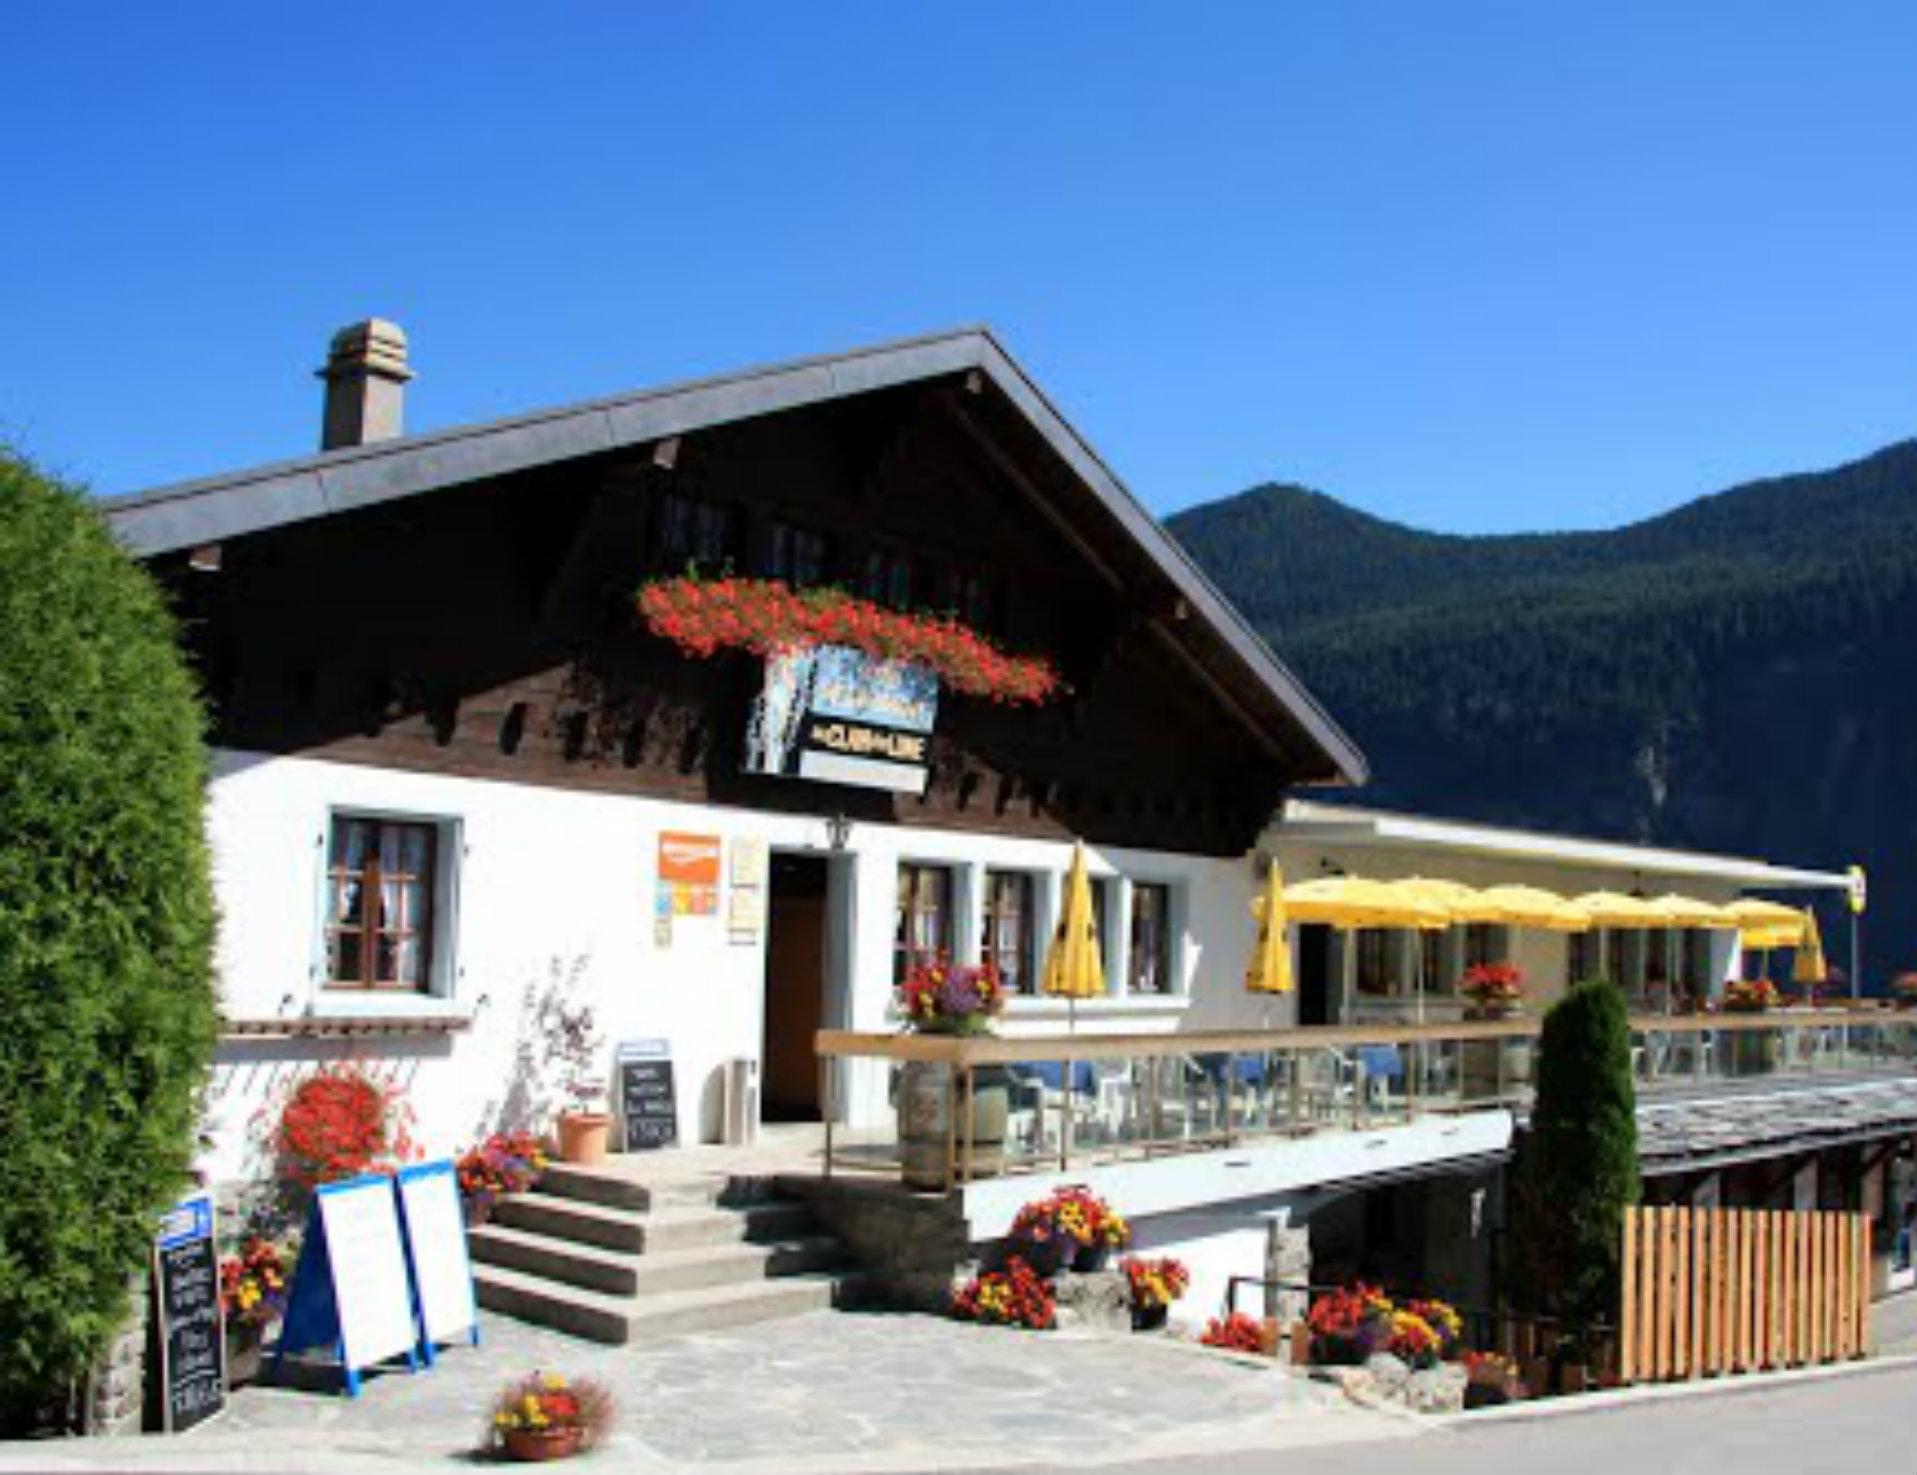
{"x": 554, "y": 1382}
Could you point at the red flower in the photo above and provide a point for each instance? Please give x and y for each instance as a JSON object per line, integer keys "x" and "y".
{"x": 764, "y": 616}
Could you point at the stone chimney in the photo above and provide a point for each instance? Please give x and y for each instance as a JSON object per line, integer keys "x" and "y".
{"x": 365, "y": 378}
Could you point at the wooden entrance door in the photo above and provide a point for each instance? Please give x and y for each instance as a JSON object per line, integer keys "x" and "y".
{"x": 794, "y": 988}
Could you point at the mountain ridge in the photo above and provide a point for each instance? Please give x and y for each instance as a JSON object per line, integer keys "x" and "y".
{"x": 1734, "y": 674}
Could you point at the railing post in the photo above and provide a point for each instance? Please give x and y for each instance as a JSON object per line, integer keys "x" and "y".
{"x": 1294, "y": 1067}
{"x": 1231, "y": 1099}
{"x": 970, "y": 1097}
{"x": 1066, "y": 1087}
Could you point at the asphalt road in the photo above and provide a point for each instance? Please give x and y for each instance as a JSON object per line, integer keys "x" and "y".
{"x": 1857, "y": 1424}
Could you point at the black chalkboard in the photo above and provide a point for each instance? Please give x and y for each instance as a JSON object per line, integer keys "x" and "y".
{"x": 648, "y": 1108}
{"x": 188, "y": 1328}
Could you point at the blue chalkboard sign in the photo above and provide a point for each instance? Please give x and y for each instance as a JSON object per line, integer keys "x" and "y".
{"x": 189, "y": 1329}
{"x": 352, "y": 1291}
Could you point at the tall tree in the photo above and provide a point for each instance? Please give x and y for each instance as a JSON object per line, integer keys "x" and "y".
{"x": 106, "y": 929}
{"x": 1577, "y": 1164}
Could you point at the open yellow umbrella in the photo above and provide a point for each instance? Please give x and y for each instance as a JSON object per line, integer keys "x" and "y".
{"x": 1533, "y": 906}
{"x": 1072, "y": 967}
{"x": 1688, "y": 911}
{"x": 1350, "y": 902}
{"x": 1765, "y": 924}
{"x": 1269, "y": 971}
{"x": 1809, "y": 967}
{"x": 1615, "y": 909}
{"x": 1463, "y": 903}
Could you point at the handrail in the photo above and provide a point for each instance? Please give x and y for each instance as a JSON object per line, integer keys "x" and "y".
{"x": 1015, "y": 1049}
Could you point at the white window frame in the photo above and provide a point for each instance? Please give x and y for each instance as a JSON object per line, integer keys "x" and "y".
{"x": 441, "y": 995}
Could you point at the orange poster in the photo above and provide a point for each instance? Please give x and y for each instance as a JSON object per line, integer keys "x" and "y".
{"x": 688, "y": 874}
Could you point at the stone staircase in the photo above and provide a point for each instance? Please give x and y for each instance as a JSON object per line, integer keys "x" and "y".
{"x": 604, "y": 1255}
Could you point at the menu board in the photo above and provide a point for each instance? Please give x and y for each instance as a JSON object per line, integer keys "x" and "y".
{"x": 648, "y": 1106}
{"x": 369, "y": 1269}
{"x": 351, "y": 1291}
{"x": 436, "y": 1244}
{"x": 189, "y": 1330}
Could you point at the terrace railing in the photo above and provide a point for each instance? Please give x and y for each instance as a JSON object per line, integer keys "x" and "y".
{"x": 985, "y": 1106}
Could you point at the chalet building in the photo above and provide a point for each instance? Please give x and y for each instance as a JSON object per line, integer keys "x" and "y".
{"x": 455, "y": 776}
{"x": 463, "y": 786}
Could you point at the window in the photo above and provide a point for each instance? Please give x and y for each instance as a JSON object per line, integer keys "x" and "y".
{"x": 887, "y": 578}
{"x": 968, "y": 597}
{"x": 1373, "y": 961}
{"x": 1007, "y": 937}
{"x": 380, "y": 900}
{"x": 925, "y": 916}
{"x": 1586, "y": 955}
{"x": 1696, "y": 976}
{"x": 1101, "y": 925}
{"x": 1484, "y": 942}
{"x": 795, "y": 554}
{"x": 1151, "y": 960}
{"x": 1434, "y": 975}
{"x": 691, "y": 533}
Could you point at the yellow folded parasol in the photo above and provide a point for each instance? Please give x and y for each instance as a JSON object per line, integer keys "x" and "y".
{"x": 1269, "y": 971}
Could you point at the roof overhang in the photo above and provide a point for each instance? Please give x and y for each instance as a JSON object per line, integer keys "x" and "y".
{"x": 191, "y": 514}
{"x": 1349, "y": 825}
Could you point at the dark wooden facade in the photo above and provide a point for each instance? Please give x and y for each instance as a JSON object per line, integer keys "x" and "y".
{"x": 489, "y": 629}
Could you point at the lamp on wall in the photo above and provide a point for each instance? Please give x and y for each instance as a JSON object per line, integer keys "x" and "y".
{"x": 838, "y": 831}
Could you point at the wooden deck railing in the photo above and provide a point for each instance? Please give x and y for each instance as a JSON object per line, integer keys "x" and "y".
{"x": 981, "y": 1106}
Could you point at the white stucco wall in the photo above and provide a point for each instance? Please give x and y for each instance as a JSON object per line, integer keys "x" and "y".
{"x": 550, "y": 879}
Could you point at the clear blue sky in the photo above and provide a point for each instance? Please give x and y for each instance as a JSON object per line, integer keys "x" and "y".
{"x": 1475, "y": 267}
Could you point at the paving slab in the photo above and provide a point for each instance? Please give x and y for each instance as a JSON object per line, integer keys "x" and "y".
{"x": 825, "y": 1391}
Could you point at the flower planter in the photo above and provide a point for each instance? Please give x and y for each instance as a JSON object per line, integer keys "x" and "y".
{"x": 1046, "y": 1256}
{"x": 1486, "y": 1395}
{"x": 475, "y": 1208}
{"x": 532, "y": 1446}
{"x": 1149, "y": 1318}
{"x": 1090, "y": 1259}
{"x": 245, "y": 1352}
{"x": 926, "y": 1132}
{"x": 583, "y": 1136}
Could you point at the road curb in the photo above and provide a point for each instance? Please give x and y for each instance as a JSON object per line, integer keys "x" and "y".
{"x": 1618, "y": 1400}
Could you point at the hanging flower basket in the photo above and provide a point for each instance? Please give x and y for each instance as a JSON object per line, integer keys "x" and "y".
{"x": 705, "y": 616}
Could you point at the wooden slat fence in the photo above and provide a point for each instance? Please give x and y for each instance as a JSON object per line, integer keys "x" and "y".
{"x": 1719, "y": 1291}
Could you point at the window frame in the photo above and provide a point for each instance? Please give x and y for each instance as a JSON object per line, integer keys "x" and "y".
{"x": 1165, "y": 953}
{"x": 443, "y": 969}
{"x": 432, "y": 938}
{"x": 1023, "y": 981}
{"x": 906, "y": 953}
{"x": 703, "y": 521}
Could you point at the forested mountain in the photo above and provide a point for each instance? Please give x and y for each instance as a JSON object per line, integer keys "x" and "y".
{"x": 1739, "y": 674}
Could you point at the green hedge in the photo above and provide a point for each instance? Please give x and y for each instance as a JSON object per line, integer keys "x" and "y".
{"x": 1577, "y": 1165}
{"x": 106, "y": 929}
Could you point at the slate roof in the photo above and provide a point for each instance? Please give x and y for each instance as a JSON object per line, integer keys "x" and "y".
{"x": 1771, "y": 1121}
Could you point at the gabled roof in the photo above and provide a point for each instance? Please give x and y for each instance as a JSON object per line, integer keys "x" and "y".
{"x": 189, "y": 514}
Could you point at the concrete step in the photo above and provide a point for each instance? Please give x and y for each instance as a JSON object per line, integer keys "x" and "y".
{"x": 616, "y": 1320}
{"x": 634, "y": 1232}
{"x": 618, "y": 1189}
{"x": 616, "y": 1272}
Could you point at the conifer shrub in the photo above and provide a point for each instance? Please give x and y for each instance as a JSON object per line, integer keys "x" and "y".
{"x": 1577, "y": 1165}
{"x": 106, "y": 929}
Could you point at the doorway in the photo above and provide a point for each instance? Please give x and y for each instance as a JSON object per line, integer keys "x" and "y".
{"x": 1315, "y": 992}
{"x": 795, "y": 951}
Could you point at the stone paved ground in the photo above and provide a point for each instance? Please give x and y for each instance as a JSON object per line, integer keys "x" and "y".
{"x": 823, "y": 1392}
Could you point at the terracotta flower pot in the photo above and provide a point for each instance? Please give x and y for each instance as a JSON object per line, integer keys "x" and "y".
{"x": 530, "y": 1446}
{"x": 583, "y": 1136}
